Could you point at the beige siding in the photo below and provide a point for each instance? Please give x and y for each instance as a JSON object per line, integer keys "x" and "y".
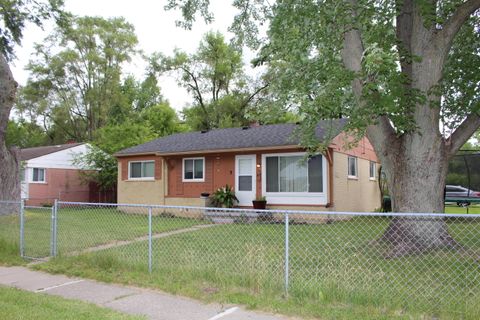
{"x": 141, "y": 192}
{"x": 298, "y": 208}
{"x": 358, "y": 195}
{"x": 191, "y": 202}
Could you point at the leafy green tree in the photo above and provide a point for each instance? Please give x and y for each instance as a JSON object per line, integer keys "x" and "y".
{"x": 100, "y": 168}
{"x": 14, "y": 15}
{"x": 396, "y": 69}
{"x": 114, "y": 138}
{"x": 23, "y": 134}
{"x": 99, "y": 161}
{"x": 136, "y": 97}
{"x": 77, "y": 70}
{"x": 162, "y": 119}
{"x": 214, "y": 77}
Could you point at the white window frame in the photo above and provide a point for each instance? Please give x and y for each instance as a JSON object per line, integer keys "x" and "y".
{"x": 39, "y": 181}
{"x": 374, "y": 170}
{"x": 24, "y": 175}
{"x": 141, "y": 178}
{"x": 193, "y": 179}
{"x": 356, "y": 168}
{"x": 301, "y": 198}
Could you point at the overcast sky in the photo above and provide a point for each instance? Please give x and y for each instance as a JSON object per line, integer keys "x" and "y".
{"x": 155, "y": 29}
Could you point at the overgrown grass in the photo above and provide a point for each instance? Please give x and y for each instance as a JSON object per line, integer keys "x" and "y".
{"x": 10, "y": 253}
{"x": 336, "y": 270}
{"x": 18, "y": 304}
{"x": 9, "y": 240}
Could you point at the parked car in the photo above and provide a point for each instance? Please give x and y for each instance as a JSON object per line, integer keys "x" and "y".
{"x": 452, "y": 191}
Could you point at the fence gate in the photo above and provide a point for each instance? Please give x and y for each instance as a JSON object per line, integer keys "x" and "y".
{"x": 37, "y": 231}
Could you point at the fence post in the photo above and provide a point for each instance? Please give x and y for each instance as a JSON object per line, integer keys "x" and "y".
{"x": 22, "y": 228}
{"x": 287, "y": 257}
{"x": 54, "y": 233}
{"x": 52, "y": 230}
{"x": 150, "y": 239}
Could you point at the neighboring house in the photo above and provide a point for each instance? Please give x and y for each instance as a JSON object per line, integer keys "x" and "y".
{"x": 48, "y": 173}
{"x": 256, "y": 161}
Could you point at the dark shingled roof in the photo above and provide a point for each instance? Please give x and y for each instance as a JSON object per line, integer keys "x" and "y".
{"x": 232, "y": 138}
{"x": 32, "y": 153}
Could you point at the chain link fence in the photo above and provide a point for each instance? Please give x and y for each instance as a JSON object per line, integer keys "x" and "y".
{"x": 426, "y": 262}
{"x": 10, "y": 216}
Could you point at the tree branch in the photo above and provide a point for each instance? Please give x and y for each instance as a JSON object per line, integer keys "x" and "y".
{"x": 352, "y": 51}
{"x": 195, "y": 87}
{"x": 382, "y": 135}
{"x": 455, "y": 22}
{"x": 461, "y": 135}
{"x": 260, "y": 89}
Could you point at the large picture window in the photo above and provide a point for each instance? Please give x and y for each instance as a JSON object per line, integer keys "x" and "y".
{"x": 193, "y": 169}
{"x": 142, "y": 170}
{"x": 38, "y": 174}
{"x": 292, "y": 173}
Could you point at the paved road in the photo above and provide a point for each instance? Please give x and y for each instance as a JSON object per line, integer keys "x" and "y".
{"x": 154, "y": 305}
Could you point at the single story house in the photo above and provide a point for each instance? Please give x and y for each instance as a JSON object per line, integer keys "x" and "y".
{"x": 49, "y": 173}
{"x": 256, "y": 161}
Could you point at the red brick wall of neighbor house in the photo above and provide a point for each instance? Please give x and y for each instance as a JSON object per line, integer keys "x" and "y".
{"x": 126, "y": 160}
{"x": 62, "y": 184}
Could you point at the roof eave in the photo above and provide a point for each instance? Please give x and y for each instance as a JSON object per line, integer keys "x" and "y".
{"x": 164, "y": 154}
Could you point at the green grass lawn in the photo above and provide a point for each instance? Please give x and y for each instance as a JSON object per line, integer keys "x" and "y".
{"x": 18, "y": 304}
{"x": 336, "y": 270}
{"x": 453, "y": 208}
{"x": 79, "y": 229}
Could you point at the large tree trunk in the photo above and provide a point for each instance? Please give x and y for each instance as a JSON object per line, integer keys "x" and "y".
{"x": 416, "y": 180}
{"x": 9, "y": 159}
{"x": 415, "y": 160}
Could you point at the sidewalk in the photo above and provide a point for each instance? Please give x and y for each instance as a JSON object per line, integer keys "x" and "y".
{"x": 153, "y": 304}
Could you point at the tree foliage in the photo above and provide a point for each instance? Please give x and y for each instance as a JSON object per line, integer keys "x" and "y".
{"x": 99, "y": 167}
{"x": 223, "y": 95}
{"x": 23, "y": 134}
{"x": 75, "y": 80}
{"x": 162, "y": 120}
{"x": 14, "y": 16}
{"x": 113, "y": 138}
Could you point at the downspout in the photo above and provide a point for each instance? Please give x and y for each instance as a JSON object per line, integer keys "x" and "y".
{"x": 165, "y": 185}
{"x": 329, "y": 156}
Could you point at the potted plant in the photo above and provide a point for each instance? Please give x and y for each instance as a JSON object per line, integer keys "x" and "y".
{"x": 260, "y": 203}
{"x": 224, "y": 197}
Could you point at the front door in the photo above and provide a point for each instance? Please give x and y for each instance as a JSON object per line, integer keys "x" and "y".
{"x": 245, "y": 179}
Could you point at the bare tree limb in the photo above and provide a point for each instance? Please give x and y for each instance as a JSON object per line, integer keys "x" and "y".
{"x": 195, "y": 87}
{"x": 461, "y": 135}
